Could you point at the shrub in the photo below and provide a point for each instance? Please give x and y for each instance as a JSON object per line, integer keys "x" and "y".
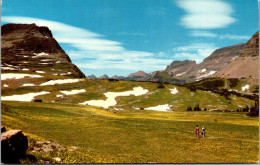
{"x": 189, "y": 108}
{"x": 160, "y": 86}
{"x": 245, "y": 109}
{"x": 197, "y": 107}
{"x": 37, "y": 100}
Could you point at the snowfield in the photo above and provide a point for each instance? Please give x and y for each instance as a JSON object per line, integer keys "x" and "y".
{"x": 165, "y": 107}
{"x": 24, "y": 97}
{"x": 111, "y": 97}
{"x": 61, "y": 81}
{"x": 174, "y": 91}
{"x": 73, "y": 92}
{"x": 207, "y": 74}
{"x": 5, "y": 76}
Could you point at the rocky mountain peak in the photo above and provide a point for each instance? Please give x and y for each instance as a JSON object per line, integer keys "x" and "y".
{"x": 30, "y": 48}
{"x": 14, "y": 28}
{"x": 104, "y": 77}
{"x": 252, "y": 46}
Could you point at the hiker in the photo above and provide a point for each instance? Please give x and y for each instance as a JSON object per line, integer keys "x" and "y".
{"x": 203, "y": 131}
{"x": 197, "y": 131}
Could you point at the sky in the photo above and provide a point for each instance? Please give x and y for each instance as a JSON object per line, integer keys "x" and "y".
{"x": 119, "y": 37}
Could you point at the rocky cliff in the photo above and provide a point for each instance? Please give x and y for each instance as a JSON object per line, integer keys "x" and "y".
{"x": 30, "y": 48}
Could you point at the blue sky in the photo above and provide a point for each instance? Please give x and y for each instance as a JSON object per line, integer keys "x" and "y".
{"x": 119, "y": 37}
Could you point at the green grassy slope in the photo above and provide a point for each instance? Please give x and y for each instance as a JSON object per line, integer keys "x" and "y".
{"x": 139, "y": 136}
{"x": 95, "y": 90}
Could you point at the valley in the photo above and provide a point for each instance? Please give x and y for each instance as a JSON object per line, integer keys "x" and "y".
{"x": 142, "y": 118}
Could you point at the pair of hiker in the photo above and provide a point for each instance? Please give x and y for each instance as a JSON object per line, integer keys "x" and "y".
{"x": 198, "y": 131}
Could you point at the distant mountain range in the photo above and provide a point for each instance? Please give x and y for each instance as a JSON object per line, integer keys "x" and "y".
{"x": 30, "y": 48}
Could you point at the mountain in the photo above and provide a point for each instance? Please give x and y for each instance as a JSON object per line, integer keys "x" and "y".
{"x": 92, "y": 76}
{"x": 103, "y": 77}
{"x": 180, "y": 68}
{"x": 246, "y": 65}
{"x": 31, "y": 48}
{"x": 118, "y": 77}
{"x": 138, "y": 76}
{"x": 210, "y": 65}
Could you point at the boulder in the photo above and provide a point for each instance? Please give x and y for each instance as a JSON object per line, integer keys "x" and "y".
{"x": 3, "y": 129}
{"x": 14, "y": 145}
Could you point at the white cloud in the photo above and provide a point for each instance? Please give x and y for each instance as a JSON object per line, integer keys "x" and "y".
{"x": 202, "y": 33}
{"x": 90, "y": 50}
{"x": 206, "y": 14}
{"x": 194, "y": 51}
{"x": 234, "y": 37}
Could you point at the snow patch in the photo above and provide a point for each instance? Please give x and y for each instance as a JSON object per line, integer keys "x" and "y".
{"x": 174, "y": 91}
{"x": 180, "y": 74}
{"x": 39, "y": 71}
{"x": 47, "y": 60}
{"x": 207, "y": 74}
{"x": 203, "y": 70}
{"x": 25, "y": 69}
{"x": 59, "y": 95}
{"x": 5, "y": 76}
{"x": 40, "y": 54}
{"x": 5, "y": 85}
{"x": 27, "y": 85}
{"x": 165, "y": 107}
{"x": 58, "y": 62}
{"x": 8, "y": 68}
{"x": 233, "y": 58}
{"x": 111, "y": 97}
{"x": 73, "y": 92}
{"x": 61, "y": 81}
{"x": 246, "y": 87}
{"x": 24, "y": 97}
{"x": 45, "y": 63}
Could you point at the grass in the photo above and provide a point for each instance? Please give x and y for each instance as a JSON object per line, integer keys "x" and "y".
{"x": 137, "y": 136}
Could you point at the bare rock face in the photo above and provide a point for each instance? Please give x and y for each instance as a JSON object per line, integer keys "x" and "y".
{"x": 31, "y": 48}
{"x": 13, "y": 146}
{"x": 209, "y": 66}
{"x": 246, "y": 65}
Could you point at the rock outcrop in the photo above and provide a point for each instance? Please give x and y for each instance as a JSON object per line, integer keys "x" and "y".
{"x": 13, "y": 146}
{"x": 30, "y": 48}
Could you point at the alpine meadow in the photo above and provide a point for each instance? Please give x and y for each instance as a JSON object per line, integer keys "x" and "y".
{"x": 132, "y": 81}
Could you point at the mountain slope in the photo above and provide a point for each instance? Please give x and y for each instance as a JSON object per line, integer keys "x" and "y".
{"x": 246, "y": 65}
{"x": 138, "y": 76}
{"x": 210, "y": 65}
{"x": 30, "y": 48}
